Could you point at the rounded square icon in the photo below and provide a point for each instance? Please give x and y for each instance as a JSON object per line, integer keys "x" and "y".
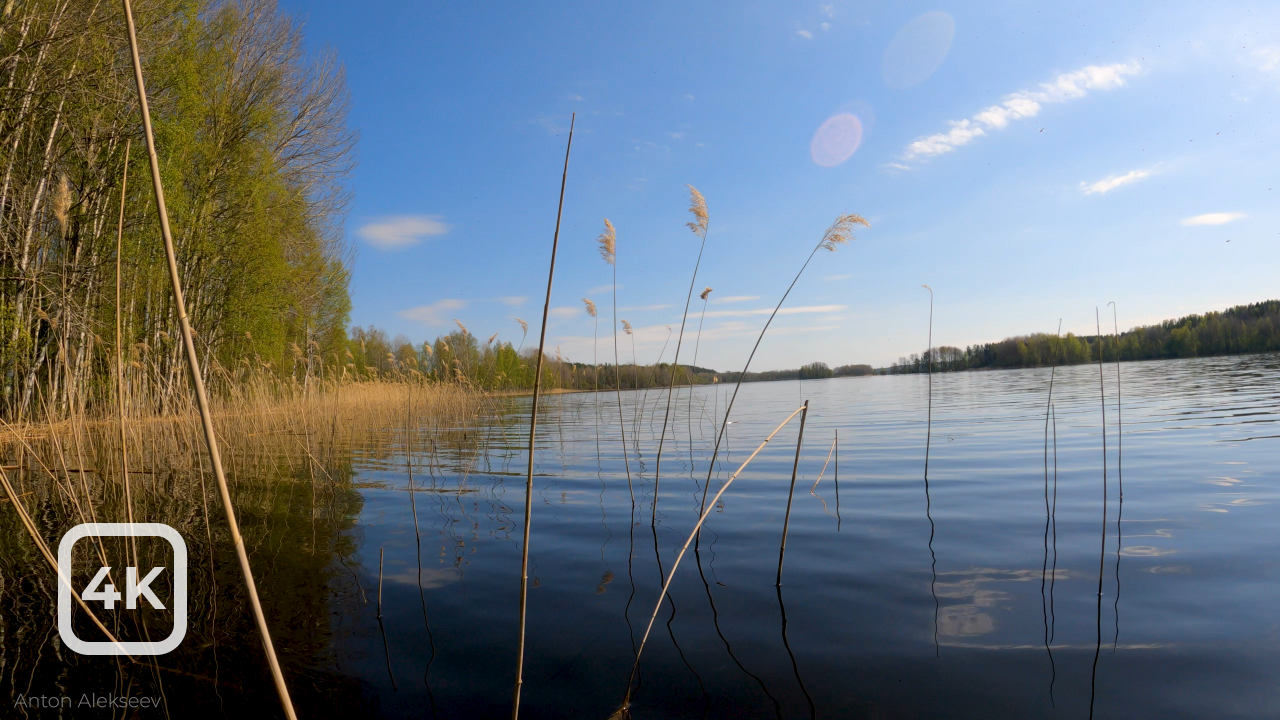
{"x": 179, "y": 600}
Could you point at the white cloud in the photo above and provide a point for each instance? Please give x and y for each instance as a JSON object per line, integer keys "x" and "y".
{"x": 896, "y": 166}
{"x": 837, "y": 277}
{"x": 688, "y": 96}
{"x": 805, "y": 34}
{"x": 401, "y": 231}
{"x": 513, "y": 301}
{"x": 1221, "y": 218}
{"x": 828, "y": 10}
{"x": 734, "y": 298}
{"x": 826, "y": 26}
{"x": 564, "y": 312}
{"x": 602, "y": 289}
{"x": 576, "y": 98}
{"x": 643, "y": 307}
{"x": 437, "y": 313}
{"x": 1019, "y": 105}
{"x": 1111, "y": 182}
{"x": 784, "y": 311}
{"x": 677, "y": 135}
{"x": 1268, "y": 58}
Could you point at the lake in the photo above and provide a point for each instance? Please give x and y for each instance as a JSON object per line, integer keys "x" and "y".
{"x": 975, "y": 594}
{"x": 967, "y": 602}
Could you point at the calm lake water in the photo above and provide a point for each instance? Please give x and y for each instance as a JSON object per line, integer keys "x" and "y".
{"x": 975, "y": 595}
{"x": 897, "y": 603}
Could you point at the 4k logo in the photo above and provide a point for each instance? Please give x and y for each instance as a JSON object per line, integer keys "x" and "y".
{"x": 100, "y": 590}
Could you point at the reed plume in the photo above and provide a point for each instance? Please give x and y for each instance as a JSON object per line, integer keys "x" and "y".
{"x": 608, "y": 241}
{"x": 591, "y": 307}
{"x": 697, "y": 206}
{"x": 533, "y": 427}
{"x": 461, "y": 327}
{"x": 62, "y": 204}
{"x": 626, "y": 327}
{"x": 705, "y": 293}
{"x": 838, "y": 233}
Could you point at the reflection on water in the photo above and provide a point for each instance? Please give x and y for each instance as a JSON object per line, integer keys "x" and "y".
{"x": 853, "y": 632}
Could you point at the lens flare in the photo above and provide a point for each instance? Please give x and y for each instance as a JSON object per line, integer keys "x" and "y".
{"x": 836, "y": 140}
{"x": 918, "y": 49}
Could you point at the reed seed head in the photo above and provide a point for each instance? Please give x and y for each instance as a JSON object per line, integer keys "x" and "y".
{"x": 705, "y": 293}
{"x": 841, "y": 231}
{"x": 608, "y": 243}
{"x": 491, "y": 339}
{"x": 524, "y": 326}
{"x": 697, "y": 206}
{"x": 62, "y": 203}
{"x": 591, "y": 307}
{"x": 626, "y": 327}
{"x": 427, "y": 349}
{"x": 462, "y": 327}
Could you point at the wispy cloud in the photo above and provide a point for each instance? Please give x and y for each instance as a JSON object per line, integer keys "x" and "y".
{"x": 837, "y": 277}
{"x": 401, "y": 231}
{"x": 1019, "y": 105}
{"x": 513, "y": 300}
{"x": 734, "y": 298}
{"x": 564, "y": 312}
{"x": 601, "y": 289}
{"x": 1111, "y": 182}
{"x": 635, "y": 308}
{"x": 805, "y": 34}
{"x": 805, "y": 309}
{"x": 437, "y": 313}
{"x": 1268, "y": 58}
{"x": 1221, "y": 218}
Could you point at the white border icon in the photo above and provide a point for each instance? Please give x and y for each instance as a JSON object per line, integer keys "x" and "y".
{"x": 179, "y": 601}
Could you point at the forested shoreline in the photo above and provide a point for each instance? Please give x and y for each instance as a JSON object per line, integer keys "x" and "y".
{"x": 1241, "y": 329}
{"x": 253, "y": 146}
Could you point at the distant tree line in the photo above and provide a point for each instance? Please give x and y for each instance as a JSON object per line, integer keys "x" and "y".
{"x": 1241, "y": 329}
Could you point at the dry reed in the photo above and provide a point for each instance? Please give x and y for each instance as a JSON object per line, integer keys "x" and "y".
{"x": 533, "y": 428}
{"x": 193, "y": 365}
{"x": 786, "y": 521}
{"x": 838, "y": 233}
{"x": 624, "y": 711}
{"x": 608, "y": 241}
{"x": 697, "y": 206}
{"x": 1102, "y": 555}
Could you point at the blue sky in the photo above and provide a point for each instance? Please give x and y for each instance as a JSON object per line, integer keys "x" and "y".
{"x": 1027, "y": 160}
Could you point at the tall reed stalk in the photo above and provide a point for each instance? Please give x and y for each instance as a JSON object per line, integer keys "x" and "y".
{"x": 839, "y": 233}
{"x": 595, "y": 367}
{"x": 1119, "y": 472}
{"x": 197, "y": 380}
{"x": 1048, "y": 520}
{"x": 533, "y": 428}
{"x": 697, "y": 206}
{"x": 786, "y": 520}
{"x": 624, "y": 711}
{"x": 609, "y": 251}
{"x": 697, "y": 343}
{"x": 119, "y": 352}
{"x": 928, "y": 499}
{"x": 1102, "y": 556}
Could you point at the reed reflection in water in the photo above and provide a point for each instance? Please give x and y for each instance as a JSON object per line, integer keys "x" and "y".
{"x": 1200, "y": 560}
